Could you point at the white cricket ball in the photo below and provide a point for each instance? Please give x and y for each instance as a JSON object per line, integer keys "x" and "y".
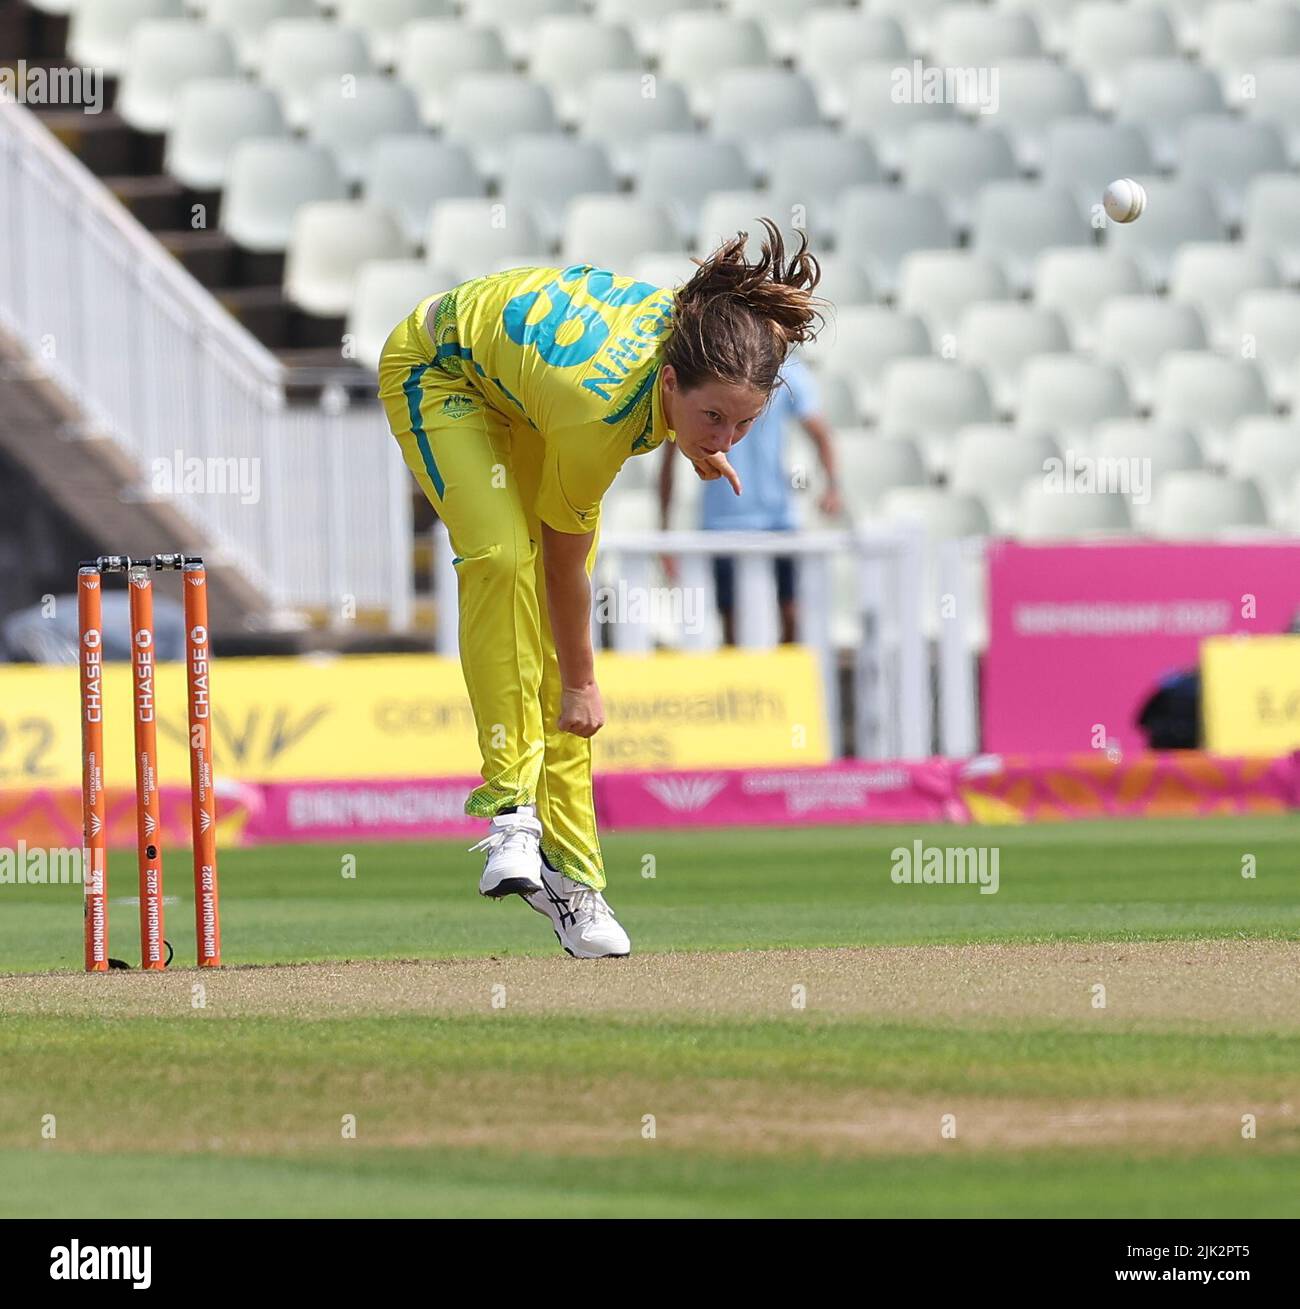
{"x": 1124, "y": 200}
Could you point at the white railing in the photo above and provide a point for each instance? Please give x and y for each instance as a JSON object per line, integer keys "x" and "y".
{"x": 157, "y": 366}
{"x": 862, "y": 592}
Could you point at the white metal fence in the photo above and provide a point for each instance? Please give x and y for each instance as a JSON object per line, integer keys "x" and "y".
{"x": 159, "y": 368}
{"x": 869, "y": 593}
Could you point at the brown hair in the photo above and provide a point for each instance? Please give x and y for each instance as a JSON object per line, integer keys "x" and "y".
{"x": 735, "y": 321}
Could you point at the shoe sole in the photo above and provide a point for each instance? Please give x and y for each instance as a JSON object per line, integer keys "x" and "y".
{"x": 571, "y": 955}
{"x": 511, "y": 886}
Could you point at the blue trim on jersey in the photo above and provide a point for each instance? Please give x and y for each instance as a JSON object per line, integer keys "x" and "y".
{"x": 634, "y": 399}
{"x": 413, "y": 396}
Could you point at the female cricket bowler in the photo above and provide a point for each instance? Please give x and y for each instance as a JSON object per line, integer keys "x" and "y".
{"x": 516, "y": 398}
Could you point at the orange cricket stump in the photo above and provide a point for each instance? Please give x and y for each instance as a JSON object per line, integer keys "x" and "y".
{"x": 154, "y": 947}
{"x": 94, "y": 854}
{"x": 148, "y": 812}
{"x": 203, "y": 800}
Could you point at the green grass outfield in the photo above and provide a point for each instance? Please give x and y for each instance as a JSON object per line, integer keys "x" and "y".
{"x": 240, "y": 1114}
{"x": 731, "y": 890}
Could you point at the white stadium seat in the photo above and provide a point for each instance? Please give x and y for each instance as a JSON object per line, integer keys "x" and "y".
{"x": 859, "y": 342}
{"x": 725, "y": 213}
{"x": 843, "y": 282}
{"x": 939, "y": 285}
{"x": 1268, "y": 322}
{"x": 516, "y": 20}
{"x": 999, "y": 336}
{"x": 301, "y": 52}
{"x": 1225, "y": 154}
{"x": 99, "y": 31}
{"x": 942, "y": 513}
{"x": 663, "y": 268}
{"x": 971, "y": 36}
{"x": 1153, "y": 450}
{"x": 1277, "y": 101}
{"x": 162, "y": 56}
{"x": 1052, "y": 18}
{"x": 1176, "y": 212}
{"x": 645, "y": 22}
{"x": 1214, "y": 275}
{"x": 487, "y": 109}
{"x": 954, "y": 161}
{"x": 680, "y": 169}
{"x": 568, "y": 50}
{"x": 213, "y": 115}
{"x": 1066, "y": 396}
{"x": 1084, "y": 155}
{"x": 1236, "y": 37}
{"x": 878, "y": 225}
{"x": 1033, "y": 94}
{"x": 1076, "y": 282}
{"x": 869, "y": 466}
{"x": 835, "y": 41}
{"x": 928, "y": 400}
{"x": 993, "y": 461}
{"x": 753, "y": 105}
{"x": 386, "y": 291}
{"x": 622, "y": 117}
{"x": 435, "y": 53}
{"x": 1198, "y": 504}
{"x": 1186, "y": 16}
{"x": 783, "y": 21}
{"x": 1016, "y": 221}
{"x": 918, "y": 17}
{"x": 811, "y": 169}
{"x": 1048, "y": 513}
{"x": 1160, "y": 95}
{"x": 331, "y": 239}
{"x": 267, "y": 182}
{"x": 1136, "y": 331}
{"x": 347, "y": 120}
{"x": 838, "y": 406}
{"x": 610, "y": 230}
{"x": 1266, "y": 451}
{"x": 698, "y": 47}
{"x": 543, "y": 173}
{"x": 475, "y": 237}
{"x": 382, "y": 22}
{"x": 873, "y": 111}
{"x": 245, "y": 22}
{"x": 409, "y": 174}
{"x": 1271, "y": 221}
{"x": 1208, "y": 393}
{"x": 1106, "y": 37}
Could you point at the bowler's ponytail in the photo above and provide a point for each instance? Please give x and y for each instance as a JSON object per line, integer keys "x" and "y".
{"x": 734, "y": 321}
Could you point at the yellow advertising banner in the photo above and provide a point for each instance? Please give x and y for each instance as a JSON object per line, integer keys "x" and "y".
{"x": 372, "y": 716}
{"x": 1250, "y": 694}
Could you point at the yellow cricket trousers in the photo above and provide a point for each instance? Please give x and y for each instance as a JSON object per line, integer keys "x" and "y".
{"x": 481, "y": 471}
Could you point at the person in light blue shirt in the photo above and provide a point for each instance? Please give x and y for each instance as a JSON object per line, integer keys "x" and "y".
{"x": 767, "y": 502}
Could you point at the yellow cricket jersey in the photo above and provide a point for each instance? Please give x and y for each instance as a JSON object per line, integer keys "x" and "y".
{"x": 572, "y": 353}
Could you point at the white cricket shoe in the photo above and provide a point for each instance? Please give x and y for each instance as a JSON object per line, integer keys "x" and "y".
{"x": 514, "y": 858}
{"x": 584, "y": 924}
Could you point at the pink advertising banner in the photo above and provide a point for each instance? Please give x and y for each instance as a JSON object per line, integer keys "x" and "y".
{"x": 1081, "y": 635}
{"x": 988, "y": 789}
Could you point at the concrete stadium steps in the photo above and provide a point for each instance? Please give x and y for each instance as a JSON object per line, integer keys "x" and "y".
{"x": 130, "y": 164}
{"x": 275, "y": 322}
{"x": 216, "y": 262}
{"x": 95, "y": 485}
{"x": 105, "y": 142}
{"x": 40, "y": 37}
{"x": 159, "y": 202}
